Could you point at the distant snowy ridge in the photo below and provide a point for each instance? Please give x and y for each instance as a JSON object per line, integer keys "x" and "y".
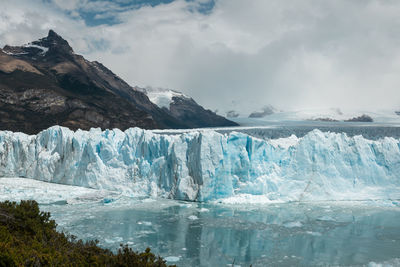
{"x": 204, "y": 165}
{"x": 270, "y": 113}
{"x": 162, "y": 97}
{"x": 332, "y": 114}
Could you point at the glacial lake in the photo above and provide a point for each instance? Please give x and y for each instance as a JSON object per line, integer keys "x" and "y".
{"x": 195, "y": 234}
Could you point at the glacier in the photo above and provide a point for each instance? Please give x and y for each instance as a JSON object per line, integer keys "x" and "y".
{"x": 204, "y": 165}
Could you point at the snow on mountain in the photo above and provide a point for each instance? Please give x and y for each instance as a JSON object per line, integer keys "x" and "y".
{"x": 44, "y": 49}
{"x": 184, "y": 108}
{"x": 204, "y": 165}
{"x": 162, "y": 97}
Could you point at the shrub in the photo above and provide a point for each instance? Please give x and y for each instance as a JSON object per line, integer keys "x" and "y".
{"x": 28, "y": 237}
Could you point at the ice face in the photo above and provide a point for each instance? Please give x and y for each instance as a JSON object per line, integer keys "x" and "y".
{"x": 205, "y": 165}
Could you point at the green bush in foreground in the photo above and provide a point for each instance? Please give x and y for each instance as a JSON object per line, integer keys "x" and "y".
{"x": 29, "y": 238}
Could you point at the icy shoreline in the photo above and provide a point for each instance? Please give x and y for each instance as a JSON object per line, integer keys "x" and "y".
{"x": 17, "y": 189}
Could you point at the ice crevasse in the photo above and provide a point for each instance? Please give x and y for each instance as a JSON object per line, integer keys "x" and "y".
{"x": 205, "y": 165}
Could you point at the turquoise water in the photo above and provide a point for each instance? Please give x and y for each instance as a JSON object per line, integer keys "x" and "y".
{"x": 194, "y": 234}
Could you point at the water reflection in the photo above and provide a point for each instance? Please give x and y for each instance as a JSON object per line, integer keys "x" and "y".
{"x": 215, "y": 235}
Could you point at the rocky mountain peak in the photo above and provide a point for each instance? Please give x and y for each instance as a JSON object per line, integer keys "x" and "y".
{"x": 54, "y": 42}
{"x": 53, "y": 35}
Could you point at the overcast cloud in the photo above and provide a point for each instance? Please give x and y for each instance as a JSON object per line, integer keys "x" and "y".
{"x": 291, "y": 54}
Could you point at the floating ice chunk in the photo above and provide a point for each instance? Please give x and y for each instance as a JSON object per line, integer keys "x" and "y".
{"x": 293, "y": 224}
{"x": 172, "y": 258}
{"x": 145, "y": 223}
{"x": 185, "y": 205}
{"x": 314, "y": 233}
{"x": 204, "y": 210}
{"x": 193, "y": 217}
{"x": 113, "y": 240}
{"x": 326, "y": 218}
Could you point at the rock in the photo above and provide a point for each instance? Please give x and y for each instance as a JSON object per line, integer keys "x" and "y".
{"x": 232, "y": 114}
{"x": 267, "y": 110}
{"x": 362, "y": 118}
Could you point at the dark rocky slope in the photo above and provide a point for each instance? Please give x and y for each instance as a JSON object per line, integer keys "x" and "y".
{"x": 362, "y": 118}
{"x": 45, "y": 83}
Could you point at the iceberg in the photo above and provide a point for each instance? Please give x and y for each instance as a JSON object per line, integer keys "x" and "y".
{"x": 204, "y": 165}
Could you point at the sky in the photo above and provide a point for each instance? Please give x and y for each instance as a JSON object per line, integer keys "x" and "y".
{"x": 232, "y": 54}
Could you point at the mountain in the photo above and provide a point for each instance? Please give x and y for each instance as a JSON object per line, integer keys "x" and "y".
{"x": 362, "y": 118}
{"x": 266, "y": 110}
{"x": 232, "y": 114}
{"x": 44, "y": 83}
{"x": 183, "y": 107}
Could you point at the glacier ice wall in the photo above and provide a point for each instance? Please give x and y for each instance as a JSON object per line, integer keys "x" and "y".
{"x": 205, "y": 165}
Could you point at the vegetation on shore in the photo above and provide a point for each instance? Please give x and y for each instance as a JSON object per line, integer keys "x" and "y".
{"x": 28, "y": 237}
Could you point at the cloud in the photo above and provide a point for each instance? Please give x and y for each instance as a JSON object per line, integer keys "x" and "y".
{"x": 302, "y": 54}
{"x": 23, "y": 21}
{"x": 69, "y": 5}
